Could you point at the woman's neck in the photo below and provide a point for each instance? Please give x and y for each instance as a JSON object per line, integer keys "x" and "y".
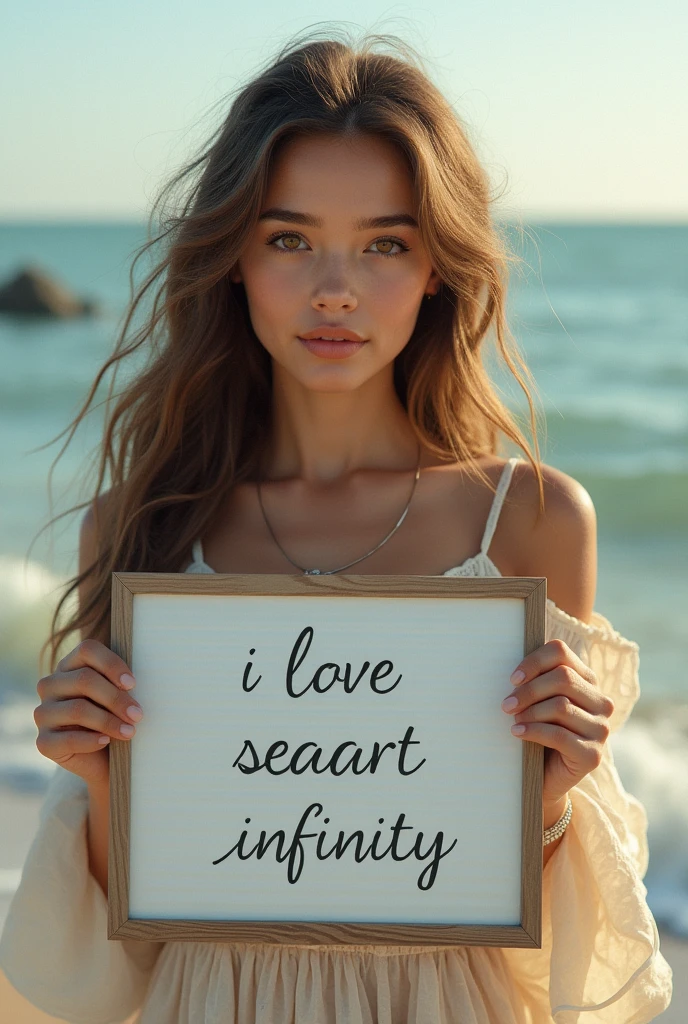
{"x": 320, "y": 437}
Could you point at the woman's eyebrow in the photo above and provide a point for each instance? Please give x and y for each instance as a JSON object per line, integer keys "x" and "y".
{"x": 389, "y": 220}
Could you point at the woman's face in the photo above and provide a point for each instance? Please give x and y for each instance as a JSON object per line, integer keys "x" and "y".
{"x": 313, "y": 264}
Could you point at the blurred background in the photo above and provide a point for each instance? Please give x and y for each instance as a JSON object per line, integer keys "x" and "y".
{"x": 578, "y": 115}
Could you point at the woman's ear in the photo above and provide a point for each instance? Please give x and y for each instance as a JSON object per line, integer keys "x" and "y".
{"x": 433, "y": 284}
{"x": 235, "y": 274}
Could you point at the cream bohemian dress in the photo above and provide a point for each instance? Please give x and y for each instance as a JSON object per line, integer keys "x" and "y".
{"x": 599, "y": 963}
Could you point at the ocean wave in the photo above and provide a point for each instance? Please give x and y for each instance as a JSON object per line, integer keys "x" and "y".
{"x": 624, "y": 415}
{"x": 51, "y": 398}
{"x": 29, "y": 593}
{"x": 652, "y": 760}
{"x": 22, "y": 767}
{"x": 602, "y": 305}
{"x": 646, "y": 503}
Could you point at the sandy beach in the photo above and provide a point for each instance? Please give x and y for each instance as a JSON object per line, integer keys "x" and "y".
{"x": 19, "y": 822}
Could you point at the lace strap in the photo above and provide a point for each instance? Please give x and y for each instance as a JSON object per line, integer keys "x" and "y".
{"x": 500, "y": 494}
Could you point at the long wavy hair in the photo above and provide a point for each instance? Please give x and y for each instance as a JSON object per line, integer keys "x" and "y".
{"x": 196, "y": 418}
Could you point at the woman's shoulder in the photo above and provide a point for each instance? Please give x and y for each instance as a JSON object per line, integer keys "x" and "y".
{"x": 568, "y": 504}
{"x": 559, "y": 543}
{"x": 99, "y": 506}
{"x": 93, "y": 522}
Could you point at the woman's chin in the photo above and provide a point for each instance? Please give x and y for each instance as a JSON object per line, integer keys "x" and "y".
{"x": 331, "y": 380}
{"x": 331, "y": 376}
{"x": 328, "y": 383}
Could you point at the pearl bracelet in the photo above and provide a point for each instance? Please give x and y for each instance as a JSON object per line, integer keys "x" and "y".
{"x": 559, "y": 827}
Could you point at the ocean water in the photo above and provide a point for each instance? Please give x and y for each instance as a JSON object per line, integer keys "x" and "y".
{"x": 601, "y": 314}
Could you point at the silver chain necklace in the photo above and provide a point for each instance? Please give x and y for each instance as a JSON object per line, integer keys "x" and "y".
{"x": 329, "y": 572}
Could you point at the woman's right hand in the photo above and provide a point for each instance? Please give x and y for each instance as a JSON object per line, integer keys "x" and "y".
{"x": 84, "y": 703}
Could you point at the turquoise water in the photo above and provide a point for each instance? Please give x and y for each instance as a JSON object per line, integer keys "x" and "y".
{"x": 600, "y": 312}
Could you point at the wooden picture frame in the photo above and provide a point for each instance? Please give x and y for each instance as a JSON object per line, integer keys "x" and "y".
{"x": 525, "y": 600}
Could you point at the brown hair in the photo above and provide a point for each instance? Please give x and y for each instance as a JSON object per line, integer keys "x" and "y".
{"x": 196, "y": 418}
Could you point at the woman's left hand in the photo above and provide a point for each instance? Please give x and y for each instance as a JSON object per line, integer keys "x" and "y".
{"x": 558, "y": 704}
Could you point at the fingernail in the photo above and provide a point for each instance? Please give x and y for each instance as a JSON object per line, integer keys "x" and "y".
{"x": 136, "y": 714}
{"x": 127, "y": 681}
{"x": 509, "y": 703}
{"x": 518, "y": 730}
{"x": 127, "y": 730}
{"x": 517, "y": 677}
{"x": 102, "y": 740}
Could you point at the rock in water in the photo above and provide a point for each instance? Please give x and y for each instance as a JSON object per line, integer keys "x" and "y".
{"x": 35, "y": 293}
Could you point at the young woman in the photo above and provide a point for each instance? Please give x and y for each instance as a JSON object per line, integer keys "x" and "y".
{"x": 315, "y": 398}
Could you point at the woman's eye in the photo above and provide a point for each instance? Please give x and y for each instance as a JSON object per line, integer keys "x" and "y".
{"x": 388, "y": 243}
{"x": 291, "y": 242}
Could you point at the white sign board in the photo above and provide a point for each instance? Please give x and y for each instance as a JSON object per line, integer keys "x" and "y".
{"x": 325, "y": 757}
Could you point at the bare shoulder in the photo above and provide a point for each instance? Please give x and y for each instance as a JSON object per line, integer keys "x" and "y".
{"x": 560, "y": 543}
{"x": 568, "y": 506}
{"x": 88, "y": 532}
{"x": 88, "y": 551}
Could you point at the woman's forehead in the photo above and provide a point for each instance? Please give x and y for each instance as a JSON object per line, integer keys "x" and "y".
{"x": 360, "y": 176}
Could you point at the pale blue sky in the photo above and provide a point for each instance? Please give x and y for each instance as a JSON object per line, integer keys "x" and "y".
{"x": 580, "y": 108}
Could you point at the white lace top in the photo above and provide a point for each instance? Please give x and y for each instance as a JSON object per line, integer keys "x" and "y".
{"x": 599, "y": 963}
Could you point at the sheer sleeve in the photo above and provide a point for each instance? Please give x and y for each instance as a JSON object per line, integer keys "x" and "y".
{"x": 600, "y": 961}
{"x": 54, "y": 949}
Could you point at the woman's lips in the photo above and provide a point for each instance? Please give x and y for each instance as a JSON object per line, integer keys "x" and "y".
{"x": 328, "y": 349}
{"x": 331, "y": 349}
